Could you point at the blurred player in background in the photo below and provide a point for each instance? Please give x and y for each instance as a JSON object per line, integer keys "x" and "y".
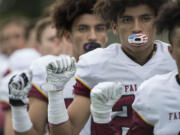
{"x": 21, "y": 55}
{"x": 85, "y": 32}
{"x": 12, "y": 38}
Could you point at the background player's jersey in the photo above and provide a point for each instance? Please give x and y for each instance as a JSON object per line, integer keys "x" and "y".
{"x": 39, "y": 77}
{"x": 112, "y": 64}
{"x": 157, "y": 103}
{"x": 22, "y": 59}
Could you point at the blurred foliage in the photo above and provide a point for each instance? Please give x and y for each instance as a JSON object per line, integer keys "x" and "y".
{"x": 28, "y": 8}
{"x": 34, "y": 8}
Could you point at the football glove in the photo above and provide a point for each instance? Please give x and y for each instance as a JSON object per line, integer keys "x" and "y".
{"x": 59, "y": 72}
{"x": 103, "y": 97}
{"x": 19, "y": 87}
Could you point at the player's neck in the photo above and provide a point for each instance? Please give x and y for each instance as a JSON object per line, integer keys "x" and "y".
{"x": 141, "y": 58}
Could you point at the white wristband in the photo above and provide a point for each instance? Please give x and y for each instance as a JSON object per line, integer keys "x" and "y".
{"x": 20, "y": 118}
{"x": 57, "y": 113}
{"x": 101, "y": 117}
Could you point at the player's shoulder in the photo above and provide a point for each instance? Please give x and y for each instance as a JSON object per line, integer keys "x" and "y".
{"x": 147, "y": 101}
{"x": 163, "y": 56}
{"x": 41, "y": 62}
{"x": 38, "y": 68}
{"x": 25, "y": 53}
{"x": 161, "y": 43}
{"x": 154, "y": 87}
{"x": 156, "y": 81}
{"x": 162, "y": 46}
{"x": 99, "y": 55}
{"x": 22, "y": 59}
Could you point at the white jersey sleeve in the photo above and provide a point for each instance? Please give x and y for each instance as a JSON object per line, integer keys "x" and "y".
{"x": 157, "y": 103}
{"x": 38, "y": 68}
{"x": 22, "y": 59}
{"x": 144, "y": 103}
{"x": 93, "y": 65}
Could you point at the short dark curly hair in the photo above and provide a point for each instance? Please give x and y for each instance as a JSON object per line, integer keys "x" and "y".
{"x": 169, "y": 18}
{"x": 66, "y": 11}
{"x": 110, "y": 9}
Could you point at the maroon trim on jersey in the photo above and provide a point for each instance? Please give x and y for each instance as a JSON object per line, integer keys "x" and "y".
{"x": 5, "y": 106}
{"x": 68, "y": 101}
{"x": 34, "y": 92}
{"x": 7, "y": 72}
{"x": 2, "y": 117}
{"x": 80, "y": 89}
{"x": 139, "y": 127}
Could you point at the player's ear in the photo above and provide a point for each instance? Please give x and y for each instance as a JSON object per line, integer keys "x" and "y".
{"x": 67, "y": 35}
{"x": 170, "y": 49}
{"x": 114, "y": 28}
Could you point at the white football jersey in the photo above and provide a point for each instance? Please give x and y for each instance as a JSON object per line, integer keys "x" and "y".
{"x": 157, "y": 102}
{"x": 112, "y": 64}
{"x": 21, "y": 59}
{"x": 39, "y": 77}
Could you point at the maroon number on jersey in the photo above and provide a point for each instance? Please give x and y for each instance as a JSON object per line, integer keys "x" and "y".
{"x": 121, "y": 119}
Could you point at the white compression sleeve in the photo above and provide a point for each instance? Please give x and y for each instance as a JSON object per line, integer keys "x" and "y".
{"x": 20, "y": 118}
{"x": 57, "y": 113}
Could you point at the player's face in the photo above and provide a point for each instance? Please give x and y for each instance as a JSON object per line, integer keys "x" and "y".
{"x": 49, "y": 42}
{"x": 13, "y": 38}
{"x": 176, "y": 47}
{"x": 139, "y": 19}
{"x": 87, "y": 28}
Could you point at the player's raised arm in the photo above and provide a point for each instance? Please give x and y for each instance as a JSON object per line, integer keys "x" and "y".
{"x": 19, "y": 86}
{"x": 59, "y": 72}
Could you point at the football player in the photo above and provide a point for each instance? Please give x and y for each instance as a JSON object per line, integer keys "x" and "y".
{"x": 156, "y": 106}
{"x": 129, "y": 63}
{"x": 86, "y": 32}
